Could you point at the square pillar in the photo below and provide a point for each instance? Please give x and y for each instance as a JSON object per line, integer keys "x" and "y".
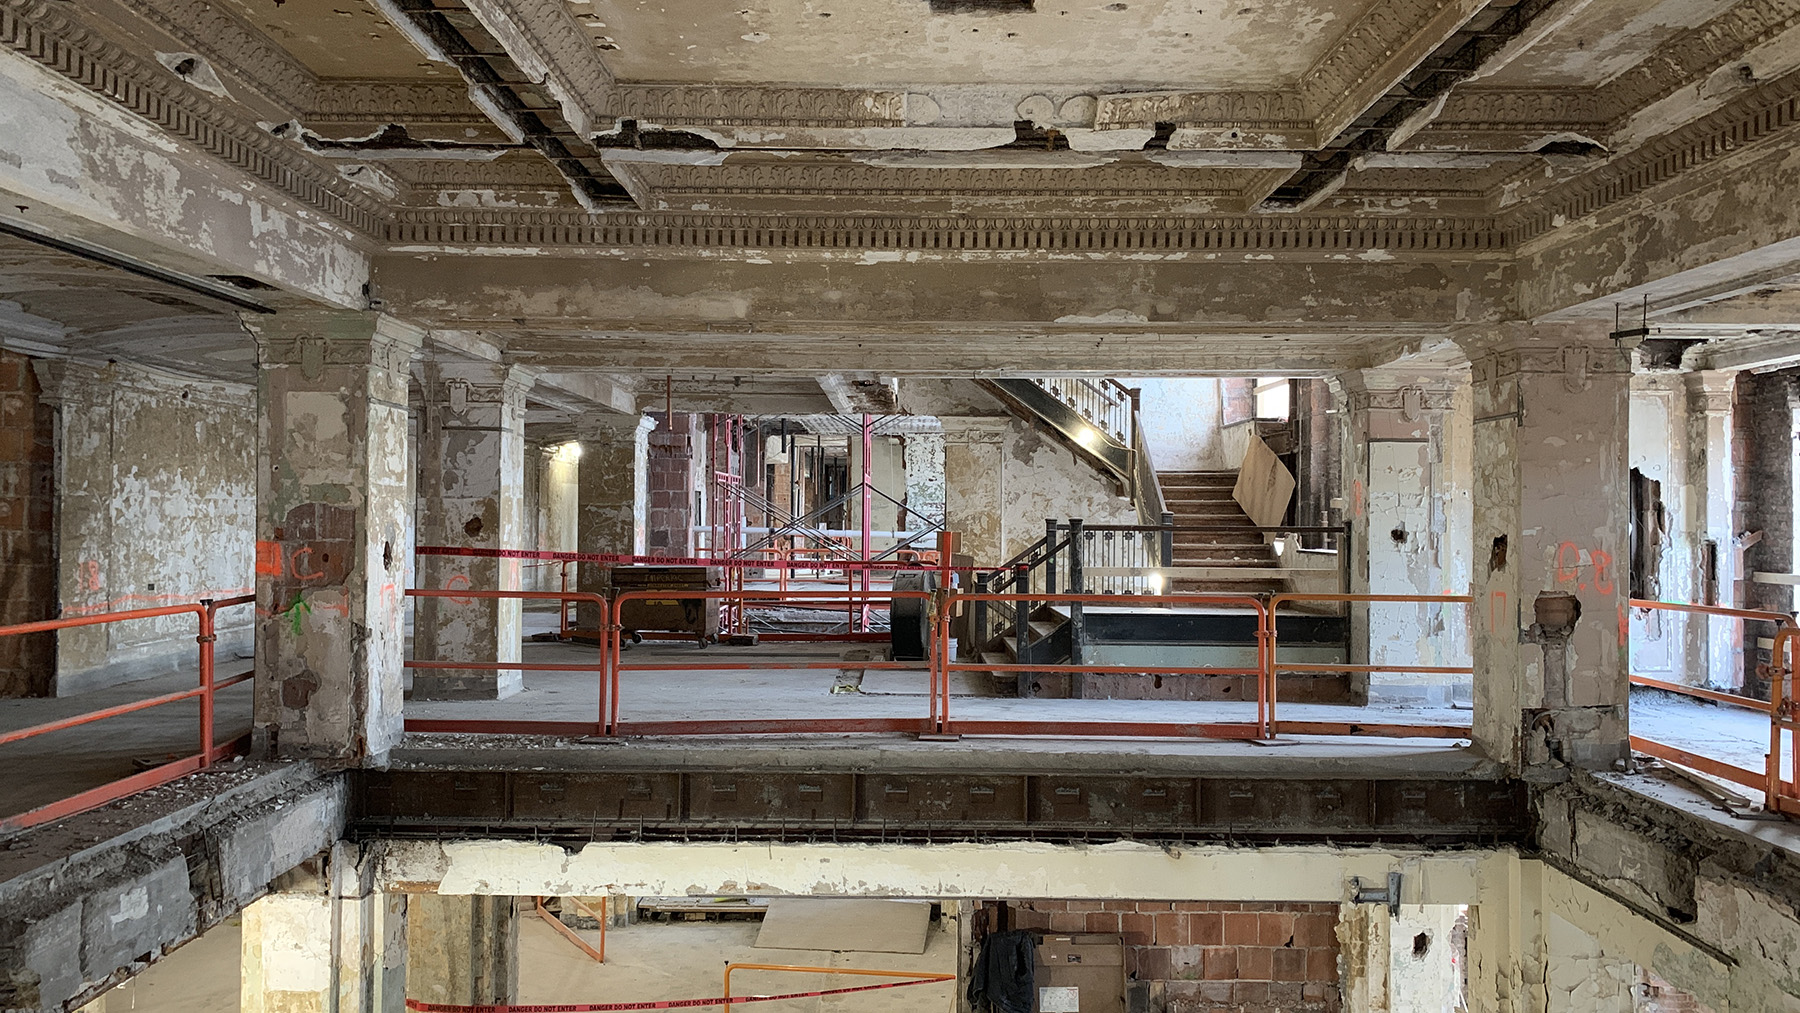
{"x": 1551, "y": 507}
{"x": 325, "y": 940}
{"x": 974, "y": 492}
{"x": 471, "y": 495}
{"x": 333, "y": 514}
{"x": 1407, "y": 474}
{"x": 1715, "y": 654}
{"x": 614, "y": 498}
{"x": 463, "y": 949}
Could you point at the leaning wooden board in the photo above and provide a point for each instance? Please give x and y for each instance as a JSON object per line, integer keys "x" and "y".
{"x": 1264, "y": 485}
{"x": 865, "y": 926}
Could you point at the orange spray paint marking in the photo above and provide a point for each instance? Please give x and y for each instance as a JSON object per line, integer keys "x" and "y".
{"x": 299, "y": 554}
{"x": 459, "y": 582}
{"x": 1602, "y": 584}
{"x": 1496, "y": 598}
{"x": 268, "y": 559}
{"x": 1566, "y": 573}
{"x": 1624, "y": 626}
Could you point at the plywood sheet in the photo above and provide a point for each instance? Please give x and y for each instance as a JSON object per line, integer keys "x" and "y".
{"x": 871, "y": 926}
{"x": 1264, "y": 484}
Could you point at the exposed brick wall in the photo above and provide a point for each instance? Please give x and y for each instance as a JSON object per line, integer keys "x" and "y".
{"x": 1210, "y": 956}
{"x": 27, "y": 525}
{"x": 1654, "y": 995}
{"x": 670, "y": 469}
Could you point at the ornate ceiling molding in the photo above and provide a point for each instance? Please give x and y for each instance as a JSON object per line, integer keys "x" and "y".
{"x": 1755, "y": 116}
{"x": 678, "y": 105}
{"x": 1696, "y": 53}
{"x": 337, "y": 101}
{"x": 1379, "y": 50}
{"x": 39, "y": 32}
{"x": 236, "y": 47}
{"x": 950, "y": 235}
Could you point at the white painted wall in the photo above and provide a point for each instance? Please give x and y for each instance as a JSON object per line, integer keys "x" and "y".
{"x": 1659, "y": 449}
{"x": 1181, "y": 423}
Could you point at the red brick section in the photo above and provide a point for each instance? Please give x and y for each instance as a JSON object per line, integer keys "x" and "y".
{"x": 1654, "y": 995}
{"x": 27, "y": 517}
{"x": 1213, "y": 956}
{"x": 671, "y": 479}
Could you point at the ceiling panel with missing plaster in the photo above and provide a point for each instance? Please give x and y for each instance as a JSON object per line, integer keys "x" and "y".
{"x": 1204, "y": 44}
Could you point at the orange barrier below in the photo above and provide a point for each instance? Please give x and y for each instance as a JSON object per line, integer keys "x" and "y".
{"x": 919, "y": 977}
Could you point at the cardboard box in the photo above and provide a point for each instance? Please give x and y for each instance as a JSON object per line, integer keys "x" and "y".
{"x": 1081, "y": 974}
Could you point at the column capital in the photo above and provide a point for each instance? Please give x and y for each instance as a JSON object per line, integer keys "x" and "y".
{"x": 458, "y": 383}
{"x": 1711, "y": 390}
{"x": 1576, "y": 351}
{"x": 68, "y": 382}
{"x": 313, "y": 339}
{"x": 1411, "y": 392}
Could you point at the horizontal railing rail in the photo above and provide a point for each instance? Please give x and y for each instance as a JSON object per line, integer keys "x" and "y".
{"x": 1779, "y": 793}
{"x": 206, "y": 610}
{"x": 1381, "y": 729}
{"x": 600, "y": 668}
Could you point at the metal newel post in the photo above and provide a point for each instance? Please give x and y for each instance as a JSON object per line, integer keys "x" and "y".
{"x": 980, "y": 619}
{"x": 1050, "y": 555}
{"x": 1077, "y": 585}
{"x": 208, "y": 639}
{"x": 1166, "y": 542}
{"x": 1022, "y": 625}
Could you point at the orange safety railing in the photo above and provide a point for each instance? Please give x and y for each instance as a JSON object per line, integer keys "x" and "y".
{"x": 616, "y": 628}
{"x": 209, "y": 749}
{"x": 463, "y": 596}
{"x": 1180, "y": 729}
{"x": 1779, "y": 793}
{"x": 1387, "y": 730}
{"x": 919, "y": 977}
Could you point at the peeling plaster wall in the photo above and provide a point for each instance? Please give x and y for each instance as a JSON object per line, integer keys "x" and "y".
{"x": 156, "y": 491}
{"x": 64, "y": 148}
{"x": 1660, "y": 450}
{"x": 1182, "y": 424}
{"x": 922, "y": 460}
{"x": 552, "y": 509}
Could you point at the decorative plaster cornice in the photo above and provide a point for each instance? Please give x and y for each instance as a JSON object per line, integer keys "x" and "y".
{"x": 1764, "y": 112}
{"x": 1696, "y": 53}
{"x": 542, "y": 37}
{"x": 234, "y": 46}
{"x": 393, "y": 102}
{"x": 80, "y": 382}
{"x": 1226, "y": 235}
{"x": 1267, "y": 110}
{"x": 34, "y": 29}
{"x": 1382, "y": 47}
{"x": 838, "y": 178}
{"x": 699, "y": 105}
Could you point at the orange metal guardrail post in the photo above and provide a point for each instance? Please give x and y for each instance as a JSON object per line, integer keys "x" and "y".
{"x": 1274, "y": 667}
{"x": 208, "y": 639}
{"x": 916, "y": 975}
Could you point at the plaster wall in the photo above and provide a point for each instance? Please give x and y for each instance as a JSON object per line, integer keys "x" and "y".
{"x": 1660, "y": 450}
{"x": 156, "y": 489}
{"x": 1181, "y": 423}
{"x": 556, "y": 509}
{"x": 922, "y": 461}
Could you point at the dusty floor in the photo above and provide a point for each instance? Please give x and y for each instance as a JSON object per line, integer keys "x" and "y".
{"x": 646, "y": 961}
{"x": 1735, "y": 735}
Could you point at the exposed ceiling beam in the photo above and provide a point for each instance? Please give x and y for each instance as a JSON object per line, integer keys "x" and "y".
{"x": 1483, "y": 38}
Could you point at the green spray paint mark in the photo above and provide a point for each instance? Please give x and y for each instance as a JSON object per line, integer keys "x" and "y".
{"x": 300, "y": 605}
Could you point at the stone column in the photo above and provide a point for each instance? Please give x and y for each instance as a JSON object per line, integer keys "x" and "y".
{"x": 333, "y": 513}
{"x": 325, "y": 940}
{"x": 1551, "y": 504}
{"x": 462, "y": 949}
{"x": 471, "y": 495}
{"x": 1406, "y": 480}
{"x": 613, "y": 499}
{"x": 1715, "y": 655}
{"x": 974, "y": 485}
